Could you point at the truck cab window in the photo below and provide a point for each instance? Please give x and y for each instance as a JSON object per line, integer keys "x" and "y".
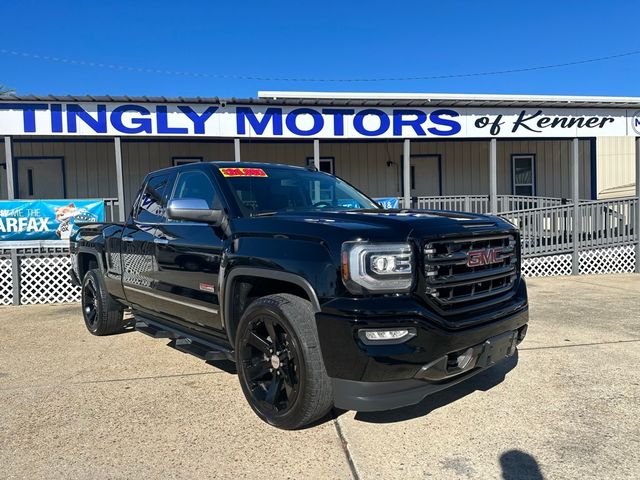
{"x": 195, "y": 184}
{"x": 152, "y": 202}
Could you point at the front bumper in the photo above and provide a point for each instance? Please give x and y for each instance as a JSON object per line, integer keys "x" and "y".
{"x": 383, "y": 377}
{"x": 431, "y": 378}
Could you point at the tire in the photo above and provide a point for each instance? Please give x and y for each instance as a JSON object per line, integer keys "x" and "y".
{"x": 297, "y": 390}
{"x": 102, "y": 315}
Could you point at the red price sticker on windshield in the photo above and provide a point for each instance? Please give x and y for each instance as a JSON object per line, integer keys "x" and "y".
{"x": 243, "y": 172}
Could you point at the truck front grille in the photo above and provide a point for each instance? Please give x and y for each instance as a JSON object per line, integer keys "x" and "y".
{"x": 464, "y": 274}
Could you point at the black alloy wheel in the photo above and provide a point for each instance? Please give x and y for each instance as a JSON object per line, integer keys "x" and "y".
{"x": 271, "y": 364}
{"x": 102, "y": 314}
{"x": 279, "y": 360}
{"x": 90, "y": 304}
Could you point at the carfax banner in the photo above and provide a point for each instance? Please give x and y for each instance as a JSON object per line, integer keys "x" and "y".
{"x": 46, "y": 219}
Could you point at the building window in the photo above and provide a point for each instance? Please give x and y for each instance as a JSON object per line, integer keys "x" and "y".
{"x": 524, "y": 181}
{"x": 327, "y": 164}
{"x": 184, "y": 160}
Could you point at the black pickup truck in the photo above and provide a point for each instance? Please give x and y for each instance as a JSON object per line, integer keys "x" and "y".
{"x": 321, "y": 297}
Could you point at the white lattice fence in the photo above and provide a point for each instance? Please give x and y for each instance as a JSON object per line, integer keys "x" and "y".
{"x": 46, "y": 280}
{"x": 620, "y": 259}
{"x": 6, "y": 281}
{"x": 553, "y": 265}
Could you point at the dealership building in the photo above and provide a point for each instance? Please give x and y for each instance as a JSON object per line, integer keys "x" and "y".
{"x": 486, "y": 153}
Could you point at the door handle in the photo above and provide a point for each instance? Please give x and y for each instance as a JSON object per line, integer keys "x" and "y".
{"x": 160, "y": 241}
{"x": 127, "y": 239}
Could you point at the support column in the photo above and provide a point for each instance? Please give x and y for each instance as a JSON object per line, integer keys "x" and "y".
{"x": 406, "y": 173}
{"x": 575, "y": 194}
{"x": 8, "y": 155}
{"x": 236, "y": 149}
{"x": 15, "y": 276}
{"x": 119, "y": 179}
{"x": 493, "y": 176}
{"x": 637, "y": 224}
{"x": 11, "y": 195}
{"x": 316, "y": 154}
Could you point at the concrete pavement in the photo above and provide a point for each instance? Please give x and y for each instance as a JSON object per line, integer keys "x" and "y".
{"x": 78, "y": 406}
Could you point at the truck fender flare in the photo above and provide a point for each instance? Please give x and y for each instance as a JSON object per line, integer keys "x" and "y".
{"x": 94, "y": 254}
{"x": 263, "y": 273}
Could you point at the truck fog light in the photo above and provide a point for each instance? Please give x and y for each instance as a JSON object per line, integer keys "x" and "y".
{"x": 389, "y": 336}
{"x": 464, "y": 359}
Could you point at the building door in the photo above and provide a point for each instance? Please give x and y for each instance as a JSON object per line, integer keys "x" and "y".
{"x": 425, "y": 175}
{"x": 40, "y": 177}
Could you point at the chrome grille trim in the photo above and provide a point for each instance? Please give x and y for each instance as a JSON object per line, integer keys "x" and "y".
{"x": 455, "y": 285}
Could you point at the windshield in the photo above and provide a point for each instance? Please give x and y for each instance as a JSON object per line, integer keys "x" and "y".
{"x": 267, "y": 190}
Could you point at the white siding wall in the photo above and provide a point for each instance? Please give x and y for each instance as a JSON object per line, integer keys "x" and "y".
{"x": 465, "y": 165}
{"x": 615, "y": 164}
{"x": 140, "y": 158}
{"x": 372, "y": 166}
{"x": 364, "y": 165}
{"x": 89, "y": 166}
{"x": 287, "y": 153}
{"x": 553, "y": 166}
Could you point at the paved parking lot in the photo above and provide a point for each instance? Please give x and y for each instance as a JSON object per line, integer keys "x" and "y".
{"x": 77, "y": 406}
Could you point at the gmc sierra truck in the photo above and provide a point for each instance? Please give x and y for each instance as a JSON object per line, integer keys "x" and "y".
{"x": 320, "y": 297}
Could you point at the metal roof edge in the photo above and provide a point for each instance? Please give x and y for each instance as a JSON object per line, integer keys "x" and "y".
{"x": 358, "y": 99}
{"x": 280, "y": 94}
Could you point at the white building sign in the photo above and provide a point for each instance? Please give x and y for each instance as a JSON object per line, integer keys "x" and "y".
{"x": 145, "y": 119}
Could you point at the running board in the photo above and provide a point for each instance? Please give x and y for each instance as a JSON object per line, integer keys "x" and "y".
{"x": 183, "y": 341}
{"x": 197, "y": 349}
{"x": 153, "y": 331}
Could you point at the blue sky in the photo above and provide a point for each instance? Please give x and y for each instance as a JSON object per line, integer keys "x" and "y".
{"x": 319, "y": 40}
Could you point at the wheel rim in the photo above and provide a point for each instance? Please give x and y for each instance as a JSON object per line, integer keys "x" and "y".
{"x": 90, "y": 303}
{"x": 270, "y": 365}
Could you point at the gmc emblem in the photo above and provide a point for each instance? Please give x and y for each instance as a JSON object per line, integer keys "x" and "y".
{"x": 485, "y": 256}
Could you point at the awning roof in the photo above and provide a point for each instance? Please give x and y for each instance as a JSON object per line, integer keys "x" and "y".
{"x": 359, "y": 99}
{"x": 450, "y": 99}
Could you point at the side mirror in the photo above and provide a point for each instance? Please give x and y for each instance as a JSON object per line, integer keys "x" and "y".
{"x": 193, "y": 210}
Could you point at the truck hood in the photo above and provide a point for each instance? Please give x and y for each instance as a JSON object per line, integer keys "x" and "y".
{"x": 373, "y": 225}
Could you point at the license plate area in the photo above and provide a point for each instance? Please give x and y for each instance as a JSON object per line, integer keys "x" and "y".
{"x": 497, "y": 348}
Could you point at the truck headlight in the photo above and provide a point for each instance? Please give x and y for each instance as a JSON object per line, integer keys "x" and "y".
{"x": 377, "y": 267}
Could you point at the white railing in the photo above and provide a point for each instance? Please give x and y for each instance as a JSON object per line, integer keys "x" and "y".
{"x": 465, "y": 203}
{"x": 111, "y": 209}
{"x": 552, "y": 230}
{"x": 480, "y": 203}
{"x": 509, "y": 203}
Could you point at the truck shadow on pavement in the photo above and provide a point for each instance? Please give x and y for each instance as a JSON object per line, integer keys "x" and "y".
{"x": 482, "y": 381}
